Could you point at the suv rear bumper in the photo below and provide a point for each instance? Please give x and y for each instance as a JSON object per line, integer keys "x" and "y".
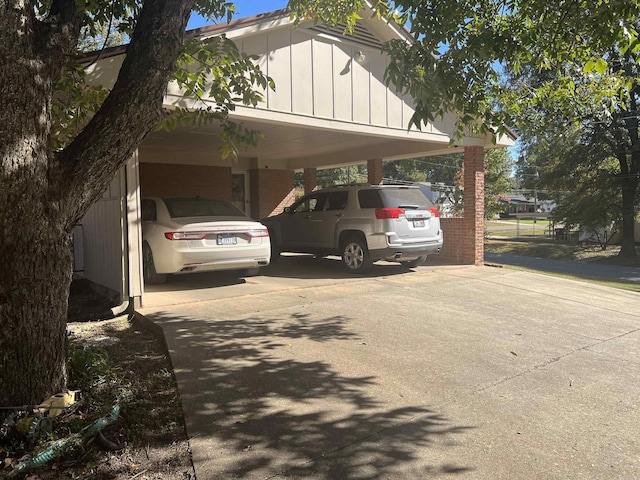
{"x": 405, "y": 253}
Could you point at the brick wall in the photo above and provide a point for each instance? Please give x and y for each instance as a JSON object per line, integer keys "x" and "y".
{"x": 310, "y": 180}
{"x": 464, "y": 236}
{"x": 453, "y": 247}
{"x": 160, "y": 179}
{"x": 474, "y": 205}
{"x": 271, "y": 191}
{"x": 374, "y": 171}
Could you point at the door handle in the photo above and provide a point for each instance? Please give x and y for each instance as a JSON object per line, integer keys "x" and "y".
{"x": 339, "y": 214}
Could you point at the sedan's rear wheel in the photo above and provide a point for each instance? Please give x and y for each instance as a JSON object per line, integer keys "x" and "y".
{"x": 355, "y": 255}
{"x": 149, "y": 273}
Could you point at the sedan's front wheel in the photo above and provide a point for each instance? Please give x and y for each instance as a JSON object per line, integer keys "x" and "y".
{"x": 149, "y": 273}
{"x": 355, "y": 255}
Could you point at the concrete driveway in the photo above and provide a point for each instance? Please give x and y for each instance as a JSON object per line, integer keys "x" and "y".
{"x": 441, "y": 372}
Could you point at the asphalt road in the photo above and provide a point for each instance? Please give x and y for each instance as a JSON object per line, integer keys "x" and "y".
{"x": 605, "y": 272}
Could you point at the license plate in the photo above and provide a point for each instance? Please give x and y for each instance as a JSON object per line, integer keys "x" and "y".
{"x": 418, "y": 223}
{"x": 227, "y": 239}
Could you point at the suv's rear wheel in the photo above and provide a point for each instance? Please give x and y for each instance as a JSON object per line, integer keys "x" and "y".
{"x": 355, "y": 255}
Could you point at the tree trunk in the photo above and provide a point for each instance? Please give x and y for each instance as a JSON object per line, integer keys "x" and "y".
{"x": 34, "y": 288}
{"x": 34, "y": 247}
{"x": 43, "y": 193}
{"x": 629, "y": 190}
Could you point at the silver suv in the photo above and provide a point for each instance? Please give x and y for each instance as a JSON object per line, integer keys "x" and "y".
{"x": 362, "y": 223}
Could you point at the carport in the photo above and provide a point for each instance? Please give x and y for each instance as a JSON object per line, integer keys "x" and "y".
{"x": 331, "y": 108}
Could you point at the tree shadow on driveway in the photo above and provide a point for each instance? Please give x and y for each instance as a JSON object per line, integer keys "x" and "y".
{"x": 286, "y": 394}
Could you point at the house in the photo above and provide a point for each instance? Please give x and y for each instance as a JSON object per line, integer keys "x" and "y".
{"x": 331, "y": 108}
{"x": 525, "y": 202}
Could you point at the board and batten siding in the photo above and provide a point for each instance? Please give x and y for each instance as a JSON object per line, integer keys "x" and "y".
{"x": 112, "y": 236}
{"x": 321, "y": 77}
{"x": 103, "y": 243}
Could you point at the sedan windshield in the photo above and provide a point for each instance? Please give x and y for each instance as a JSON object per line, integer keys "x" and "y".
{"x": 201, "y": 207}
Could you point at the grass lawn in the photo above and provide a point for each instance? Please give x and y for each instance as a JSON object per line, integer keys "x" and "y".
{"x": 511, "y": 228}
{"x": 560, "y": 251}
{"x": 523, "y": 221}
{"x": 569, "y": 252}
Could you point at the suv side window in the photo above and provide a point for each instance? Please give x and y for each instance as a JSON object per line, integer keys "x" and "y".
{"x": 336, "y": 201}
{"x": 149, "y": 211}
{"x": 370, "y": 199}
{"x": 312, "y": 203}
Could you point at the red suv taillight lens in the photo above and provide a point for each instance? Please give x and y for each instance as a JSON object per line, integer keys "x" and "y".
{"x": 384, "y": 213}
{"x": 434, "y": 211}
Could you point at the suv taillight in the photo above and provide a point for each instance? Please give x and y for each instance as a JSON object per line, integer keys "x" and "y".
{"x": 434, "y": 211}
{"x": 385, "y": 213}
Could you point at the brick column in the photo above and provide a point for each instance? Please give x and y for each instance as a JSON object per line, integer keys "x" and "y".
{"x": 473, "y": 250}
{"x": 310, "y": 180}
{"x": 374, "y": 171}
{"x": 271, "y": 191}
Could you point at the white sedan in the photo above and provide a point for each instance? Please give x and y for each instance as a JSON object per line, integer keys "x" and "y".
{"x": 193, "y": 234}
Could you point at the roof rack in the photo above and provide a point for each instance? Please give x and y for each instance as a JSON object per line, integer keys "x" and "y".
{"x": 342, "y": 185}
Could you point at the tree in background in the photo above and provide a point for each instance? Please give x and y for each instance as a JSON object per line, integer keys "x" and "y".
{"x": 62, "y": 142}
{"x": 580, "y": 132}
{"x": 342, "y": 175}
{"x": 444, "y": 172}
{"x": 463, "y": 47}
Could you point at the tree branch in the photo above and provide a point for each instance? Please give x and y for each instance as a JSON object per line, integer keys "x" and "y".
{"x": 130, "y": 111}
{"x": 57, "y": 35}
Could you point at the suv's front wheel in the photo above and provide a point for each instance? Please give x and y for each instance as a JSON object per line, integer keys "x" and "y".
{"x": 355, "y": 255}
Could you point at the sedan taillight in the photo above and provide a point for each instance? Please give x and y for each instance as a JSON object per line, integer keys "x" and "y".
{"x": 385, "y": 213}
{"x": 185, "y": 235}
{"x": 434, "y": 211}
{"x": 258, "y": 232}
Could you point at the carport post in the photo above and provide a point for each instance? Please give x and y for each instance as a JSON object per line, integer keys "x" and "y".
{"x": 310, "y": 180}
{"x": 473, "y": 249}
{"x": 374, "y": 171}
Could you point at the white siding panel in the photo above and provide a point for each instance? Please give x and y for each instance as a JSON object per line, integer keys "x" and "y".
{"x": 279, "y": 68}
{"x": 378, "y": 66}
{"x": 322, "y": 79}
{"x": 361, "y": 89}
{"x": 408, "y": 111}
{"x": 301, "y": 74}
{"x": 103, "y": 239}
{"x": 257, "y": 45}
{"x": 394, "y": 108}
{"x": 134, "y": 227}
{"x": 104, "y": 71}
{"x": 342, "y": 92}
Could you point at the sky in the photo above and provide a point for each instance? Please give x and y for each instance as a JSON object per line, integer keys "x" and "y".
{"x": 244, "y": 8}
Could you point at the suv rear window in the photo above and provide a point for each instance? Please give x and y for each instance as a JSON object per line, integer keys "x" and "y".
{"x": 393, "y": 198}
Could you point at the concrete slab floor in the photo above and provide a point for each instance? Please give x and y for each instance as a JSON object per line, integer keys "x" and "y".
{"x": 467, "y": 372}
